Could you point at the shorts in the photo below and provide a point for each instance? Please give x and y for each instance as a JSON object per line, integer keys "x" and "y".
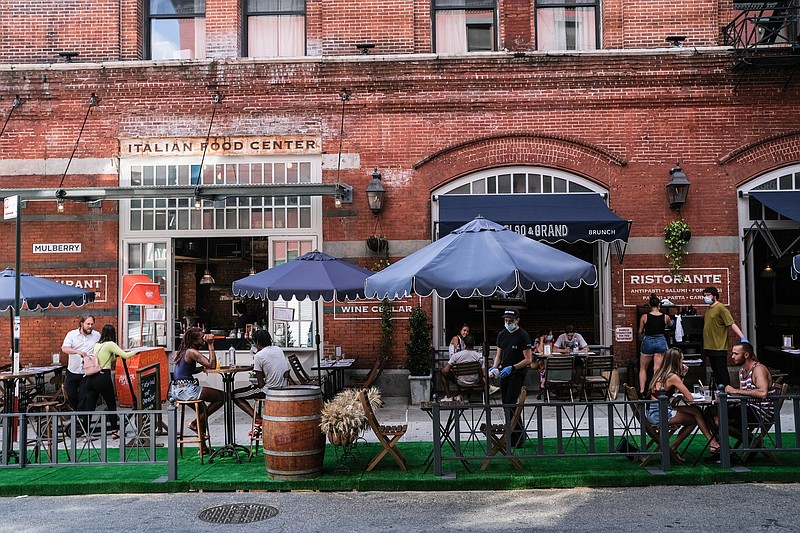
{"x": 653, "y": 416}
{"x": 653, "y": 344}
{"x": 184, "y": 390}
{"x": 250, "y": 392}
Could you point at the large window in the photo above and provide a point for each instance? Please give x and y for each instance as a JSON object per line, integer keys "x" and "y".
{"x": 462, "y": 26}
{"x": 176, "y": 29}
{"x": 295, "y": 330}
{"x": 567, "y": 24}
{"x": 276, "y": 28}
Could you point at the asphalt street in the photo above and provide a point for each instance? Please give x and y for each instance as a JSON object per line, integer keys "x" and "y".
{"x": 707, "y": 509}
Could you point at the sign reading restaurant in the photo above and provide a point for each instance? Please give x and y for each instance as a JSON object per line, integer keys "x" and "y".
{"x": 682, "y": 290}
{"x": 92, "y": 282}
{"x": 293, "y": 144}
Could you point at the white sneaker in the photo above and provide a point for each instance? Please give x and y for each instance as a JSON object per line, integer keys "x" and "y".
{"x": 458, "y": 398}
{"x": 447, "y": 399}
{"x": 493, "y": 389}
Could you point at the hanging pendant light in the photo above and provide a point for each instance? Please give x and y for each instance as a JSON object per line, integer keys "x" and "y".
{"x": 207, "y": 278}
{"x": 252, "y": 266}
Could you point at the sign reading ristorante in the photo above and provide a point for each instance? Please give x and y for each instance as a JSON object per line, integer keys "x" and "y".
{"x": 292, "y": 144}
{"x": 683, "y": 290}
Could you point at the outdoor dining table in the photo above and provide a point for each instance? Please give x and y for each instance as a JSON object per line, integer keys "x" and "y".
{"x": 446, "y": 429}
{"x": 230, "y": 448}
{"x": 334, "y": 368}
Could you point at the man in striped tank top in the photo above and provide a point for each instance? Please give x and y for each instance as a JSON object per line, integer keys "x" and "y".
{"x": 755, "y": 382}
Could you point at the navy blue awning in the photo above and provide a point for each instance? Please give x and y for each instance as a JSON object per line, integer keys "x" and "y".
{"x": 545, "y": 217}
{"x": 785, "y": 203}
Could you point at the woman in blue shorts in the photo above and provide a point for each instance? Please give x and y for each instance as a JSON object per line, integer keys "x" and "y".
{"x": 654, "y": 343}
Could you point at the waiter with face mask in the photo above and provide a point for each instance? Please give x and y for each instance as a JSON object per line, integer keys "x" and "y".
{"x": 514, "y": 356}
{"x": 716, "y": 323}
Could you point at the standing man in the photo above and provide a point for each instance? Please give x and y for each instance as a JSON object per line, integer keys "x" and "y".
{"x": 514, "y": 356}
{"x": 271, "y": 370}
{"x": 716, "y": 323}
{"x": 78, "y": 343}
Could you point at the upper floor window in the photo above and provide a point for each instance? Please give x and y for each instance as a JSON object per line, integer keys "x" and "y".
{"x": 176, "y": 29}
{"x": 462, "y": 26}
{"x": 567, "y": 24}
{"x": 276, "y": 28}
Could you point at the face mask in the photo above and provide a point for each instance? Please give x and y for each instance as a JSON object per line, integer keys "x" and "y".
{"x": 708, "y": 300}
{"x": 549, "y": 338}
{"x": 511, "y": 327}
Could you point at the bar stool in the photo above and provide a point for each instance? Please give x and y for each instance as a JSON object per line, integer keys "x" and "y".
{"x": 43, "y": 428}
{"x": 203, "y": 433}
{"x": 255, "y": 440}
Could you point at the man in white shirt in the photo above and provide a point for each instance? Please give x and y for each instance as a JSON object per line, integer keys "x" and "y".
{"x": 467, "y": 355}
{"x": 78, "y": 343}
{"x": 569, "y": 341}
{"x": 271, "y": 370}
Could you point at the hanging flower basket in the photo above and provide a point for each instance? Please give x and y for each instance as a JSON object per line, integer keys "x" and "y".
{"x": 378, "y": 243}
{"x": 676, "y": 237}
{"x": 341, "y": 439}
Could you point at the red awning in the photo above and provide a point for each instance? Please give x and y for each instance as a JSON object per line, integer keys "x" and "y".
{"x": 139, "y": 289}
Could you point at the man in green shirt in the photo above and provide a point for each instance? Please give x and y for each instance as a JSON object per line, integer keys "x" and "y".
{"x": 716, "y": 323}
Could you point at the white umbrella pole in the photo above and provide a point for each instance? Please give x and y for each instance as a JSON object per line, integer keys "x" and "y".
{"x": 316, "y": 340}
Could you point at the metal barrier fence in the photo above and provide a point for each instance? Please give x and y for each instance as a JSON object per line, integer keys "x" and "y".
{"x": 591, "y": 429}
{"x": 81, "y": 438}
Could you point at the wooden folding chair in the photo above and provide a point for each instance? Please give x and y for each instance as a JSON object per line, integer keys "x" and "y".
{"x": 759, "y": 430}
{"x": 300, "y": 373}
{"x": 387, "y": 435}
{"x": 559, "y": 375}
{"x": 497, "y": 433}
{"x": 365, "y": 382}
{"x": 653, "y": 433}
{"x": 598, "y": 375}
{"x": 469, "y": 370}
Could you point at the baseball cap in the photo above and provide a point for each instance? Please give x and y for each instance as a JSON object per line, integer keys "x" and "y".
{"x": 511, "y": 313}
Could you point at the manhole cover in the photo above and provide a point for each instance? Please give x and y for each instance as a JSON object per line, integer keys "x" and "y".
{"x": 237, "y": 513}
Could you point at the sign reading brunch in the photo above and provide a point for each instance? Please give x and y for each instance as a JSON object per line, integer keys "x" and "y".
{"x": 683, "y": 290}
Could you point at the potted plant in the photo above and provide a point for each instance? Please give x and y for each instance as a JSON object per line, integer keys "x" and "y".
{"x": 419, "y": 351}
{"x": 676, "y": 237}
{"x": 343, "y": 418}
{"x": 378, "y": 243}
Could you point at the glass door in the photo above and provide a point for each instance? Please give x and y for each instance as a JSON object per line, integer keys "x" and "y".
{"x": 146, "y": 325}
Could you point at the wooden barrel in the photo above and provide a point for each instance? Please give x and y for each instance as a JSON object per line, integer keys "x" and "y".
{"x": 294, "y": 446}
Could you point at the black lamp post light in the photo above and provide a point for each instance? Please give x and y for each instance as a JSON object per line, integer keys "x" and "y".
{"x": 375, "y": 193}
{"x": 677, "y": 187}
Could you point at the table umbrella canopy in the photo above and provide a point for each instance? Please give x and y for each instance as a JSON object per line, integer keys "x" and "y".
{"x": 139, "y": 289}
{"x": 39, "y": 293}
{"x": 314, "y": 275}
{"x": 479, "y": 259}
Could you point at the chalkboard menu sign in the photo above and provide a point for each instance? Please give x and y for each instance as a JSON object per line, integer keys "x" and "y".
{"x": 148, "y": 383}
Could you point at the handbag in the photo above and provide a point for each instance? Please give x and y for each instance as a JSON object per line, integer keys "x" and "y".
{"x": 91, "y": 365}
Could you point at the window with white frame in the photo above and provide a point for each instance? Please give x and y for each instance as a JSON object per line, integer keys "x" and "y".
{"x": 278, "y": 212}
{"x": 276, "y": 28}
{"x": 567, "y": 24}
{"x": 520, "y": 180}
{"x": 295, "y": 331}
{"x": 176, "y": 29}
{"x": 462, "y": 26}
{"x": 787, "y": 180}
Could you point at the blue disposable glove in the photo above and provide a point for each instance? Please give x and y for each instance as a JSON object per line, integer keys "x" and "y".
{"x": 744, "y": 339}
{"x": 506, "y": 371}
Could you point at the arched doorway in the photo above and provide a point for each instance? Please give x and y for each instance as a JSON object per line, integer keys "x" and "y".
{"x": 559, "y": 208}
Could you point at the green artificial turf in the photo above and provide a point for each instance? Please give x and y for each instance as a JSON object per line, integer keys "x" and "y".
{"x": 539, "y": 472}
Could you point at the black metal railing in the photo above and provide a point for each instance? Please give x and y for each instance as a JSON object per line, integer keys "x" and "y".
{"x": 769, "y": 30}
{"x": 596, "y": 429}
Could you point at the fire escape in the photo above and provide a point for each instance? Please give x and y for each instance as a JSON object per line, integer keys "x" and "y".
{"x": 764, "y": 34}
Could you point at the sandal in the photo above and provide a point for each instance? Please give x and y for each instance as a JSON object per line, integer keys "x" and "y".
{"x": 714, "y": 450}
{"x": 193, "y": 426}
{"x": 255, "y": 432}
{"x": 115, "y": 434}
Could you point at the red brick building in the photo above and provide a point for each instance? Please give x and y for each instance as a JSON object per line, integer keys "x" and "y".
{"x": 465, "y": 98}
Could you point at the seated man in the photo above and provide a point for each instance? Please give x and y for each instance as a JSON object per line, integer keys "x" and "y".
{"x": 464, "y": 356}
{"x": 755, "y": 381}
{"x": 569, "y": 341}
{"x": 270, "y": 368}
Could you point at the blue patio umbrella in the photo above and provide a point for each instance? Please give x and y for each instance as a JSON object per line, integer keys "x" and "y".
{"x": 314, "y": 275}
{"x": 480, "y": 259}
{"x": 795, "y": 266}
{"x": 39, "y": 293}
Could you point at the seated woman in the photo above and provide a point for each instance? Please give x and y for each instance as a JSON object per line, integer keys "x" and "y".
{"x": 184, "y": 385}
{"x": 107, "y": 350}
{"x": 668, "y": 378}
{"x": 543, "y": 346}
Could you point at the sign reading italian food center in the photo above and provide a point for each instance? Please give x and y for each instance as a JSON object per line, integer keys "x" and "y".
{"x": 295, "y": 144}
{"x": 683, "y": 290}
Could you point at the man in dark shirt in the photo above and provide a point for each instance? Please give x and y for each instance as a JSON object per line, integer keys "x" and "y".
{"x": 511, "y": 362}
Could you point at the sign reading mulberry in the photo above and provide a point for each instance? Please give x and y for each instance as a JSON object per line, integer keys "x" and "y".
{"x": 683, "y": 290}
